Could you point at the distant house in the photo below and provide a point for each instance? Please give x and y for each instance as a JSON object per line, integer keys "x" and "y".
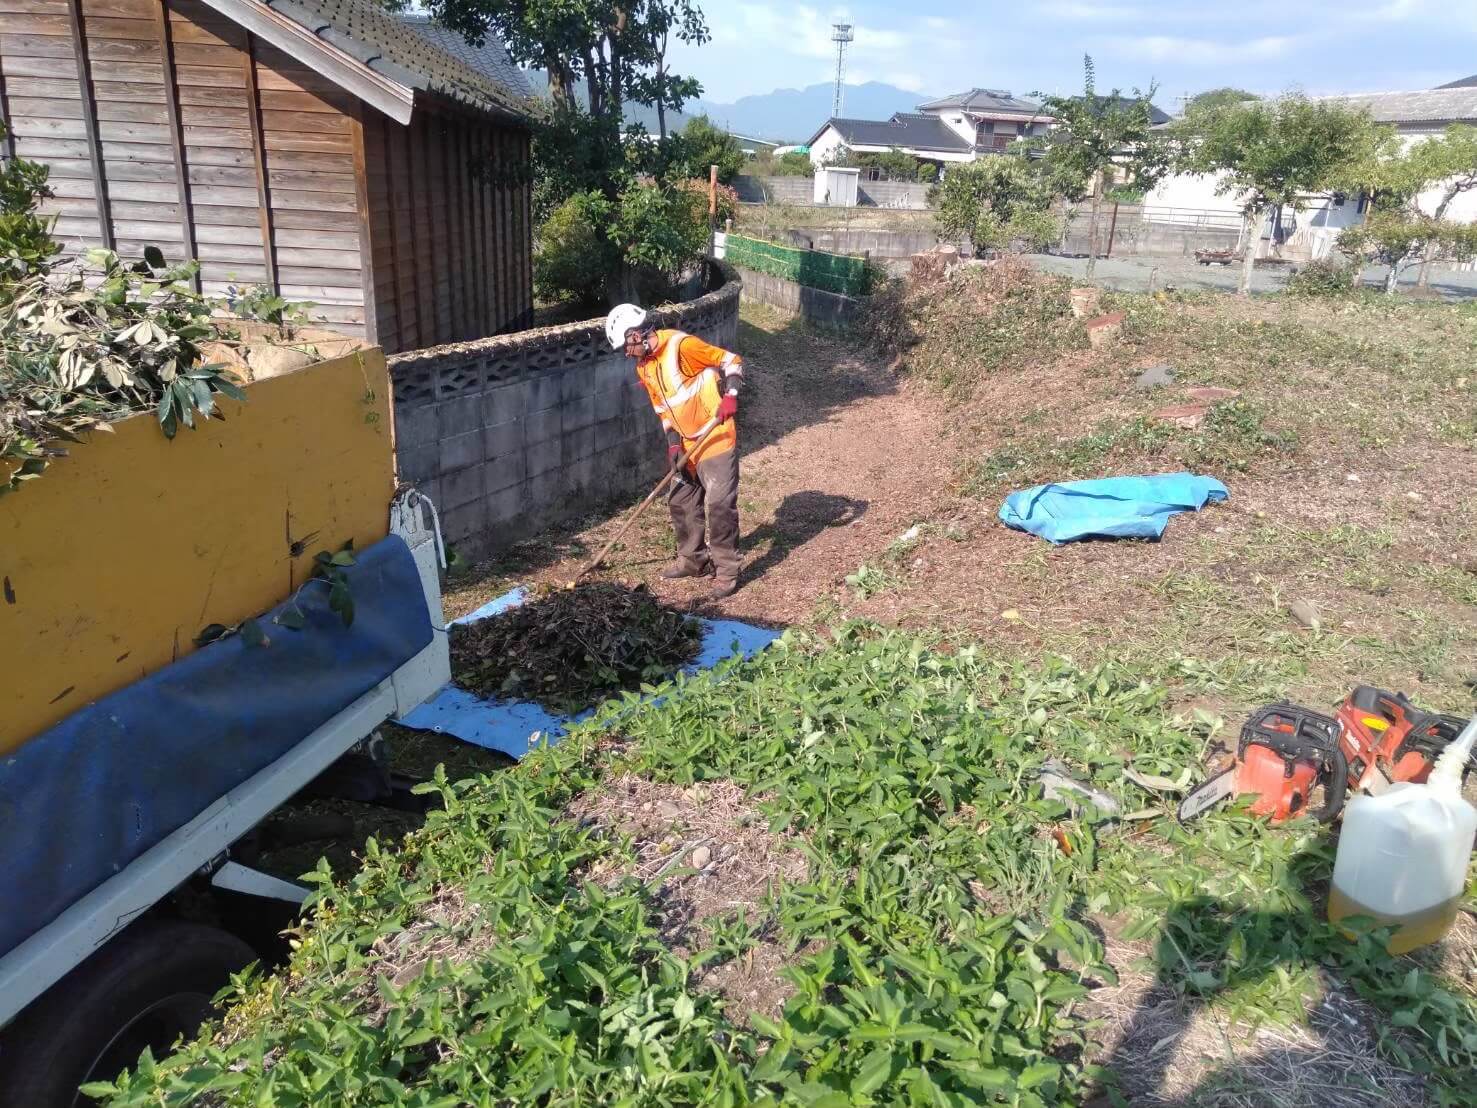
{"x": 322, "y": 148}
{"x": 954, "y": 129}
{"x": 1193, "y": 199}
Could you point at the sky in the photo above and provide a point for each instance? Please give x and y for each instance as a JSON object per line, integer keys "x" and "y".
{"x": 1186, "y": 46}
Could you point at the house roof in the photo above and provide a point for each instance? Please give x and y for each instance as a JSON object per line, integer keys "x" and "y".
{"x": 984, "y": 101}
{"x": 1465, "y": 82}
{"x": 489, "y": 59}
{"x": 1443, "y": 105}
{"x": 373, "y": 54}
{"x": 1156, "y": 116}
{"x": 914, "y": 131}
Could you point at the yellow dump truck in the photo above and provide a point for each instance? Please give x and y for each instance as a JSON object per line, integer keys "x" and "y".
{"x": 191, "y": 631}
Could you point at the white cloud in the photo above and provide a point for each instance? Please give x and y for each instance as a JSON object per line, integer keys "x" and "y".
{"x": 1197, "y": 51}
{"x": 909, "y": 82}
{"x": 1080, "y": 12}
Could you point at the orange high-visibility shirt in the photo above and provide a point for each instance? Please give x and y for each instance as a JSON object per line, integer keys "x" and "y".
{"x": 684, "y": 377}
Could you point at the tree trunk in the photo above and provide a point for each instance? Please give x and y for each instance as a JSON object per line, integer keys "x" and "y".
{"x": 1423, "y": 278}
{"x": 1392, "y": 279}
{"x": 1248, "y": 254}
{"x": 1097, "y": 207}
{"x": 560, "y": 82}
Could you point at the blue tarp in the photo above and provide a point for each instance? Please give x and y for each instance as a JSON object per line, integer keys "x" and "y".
{"x": 85, "y": 798}
{"x": 512, "y": 725}
{"x": 1110, "y": 507}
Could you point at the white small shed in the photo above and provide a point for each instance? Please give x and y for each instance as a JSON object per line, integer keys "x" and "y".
{"x": 836, "y": 187}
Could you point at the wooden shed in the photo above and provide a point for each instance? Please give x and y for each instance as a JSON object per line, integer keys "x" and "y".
{"x": 323, "y": 148}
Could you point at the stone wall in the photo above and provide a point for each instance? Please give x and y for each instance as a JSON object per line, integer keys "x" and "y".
{"x": 511, "y": 434}
{"x": 817, "y": 306}
{"x": 906, "y": 195}
{"x": 877, "y": 244}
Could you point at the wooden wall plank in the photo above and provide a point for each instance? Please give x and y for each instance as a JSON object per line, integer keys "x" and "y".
{"x": 259, "y": 154}
{"x": 90, "y": 123}
{"x": 363, "y": 231}
{"x": 177, "y": 134}
{"x": 7, "y": 145}
{"x": 421, "y": 220}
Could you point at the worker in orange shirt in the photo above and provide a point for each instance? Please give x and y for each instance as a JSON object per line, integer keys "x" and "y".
{"x": 694, "y": 389}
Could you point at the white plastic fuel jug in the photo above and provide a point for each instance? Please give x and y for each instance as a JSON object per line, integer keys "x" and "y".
{"x": 1402, "y": 856}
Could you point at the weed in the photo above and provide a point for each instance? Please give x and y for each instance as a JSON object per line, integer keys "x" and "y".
{"x": 1231, "y": 439}
{"x": 870, "y": 580}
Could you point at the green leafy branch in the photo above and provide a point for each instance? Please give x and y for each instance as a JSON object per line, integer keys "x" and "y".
{"x": 330, "y": 570}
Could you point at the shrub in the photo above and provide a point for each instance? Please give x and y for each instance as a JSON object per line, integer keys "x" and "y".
{"x": 998, "y": 203}
{"x": 1323, "y": 277}
{"x": 793, "y": 164}
{"x": 573, "y": 257}
{"x": 702, "y": 145}
{"x": 26, "y": 245}
{"x": 927, "y": 173}
{"x": 973, "y": 321}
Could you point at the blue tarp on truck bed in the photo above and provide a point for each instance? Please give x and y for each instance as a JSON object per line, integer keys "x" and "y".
{"x": 85, "y": 798}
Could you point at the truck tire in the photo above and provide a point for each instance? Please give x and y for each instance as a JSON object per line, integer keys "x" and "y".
{"x": 145, "y": 988}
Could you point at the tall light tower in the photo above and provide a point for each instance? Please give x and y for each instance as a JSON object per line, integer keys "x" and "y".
{"x": 840, "y": 35}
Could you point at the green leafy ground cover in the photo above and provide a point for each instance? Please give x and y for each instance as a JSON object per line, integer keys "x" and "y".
{"x": 942, "y": 950}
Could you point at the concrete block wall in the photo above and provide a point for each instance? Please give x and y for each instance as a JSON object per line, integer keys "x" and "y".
{"x": 511, "y": 434}
{"x": 905, "y": 195}
{"x": 877, "y": 244}
{"x": 817, "y": 306}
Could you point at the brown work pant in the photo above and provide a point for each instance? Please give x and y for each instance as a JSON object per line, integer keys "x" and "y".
{"x": 715, "y": 489}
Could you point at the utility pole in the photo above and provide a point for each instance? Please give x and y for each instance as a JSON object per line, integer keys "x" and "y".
{"x": 841, "y": 35}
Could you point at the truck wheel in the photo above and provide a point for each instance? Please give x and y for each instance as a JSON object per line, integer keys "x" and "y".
{"x": 146, "y": 988}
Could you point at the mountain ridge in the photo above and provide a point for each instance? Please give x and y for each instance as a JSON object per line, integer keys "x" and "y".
{"x": 794, "y": 115}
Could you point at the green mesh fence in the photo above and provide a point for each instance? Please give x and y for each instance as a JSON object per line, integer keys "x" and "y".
{"x": 832, "y": 272}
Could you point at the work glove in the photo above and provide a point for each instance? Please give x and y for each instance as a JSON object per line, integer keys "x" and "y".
{"x": 727, "y": 408}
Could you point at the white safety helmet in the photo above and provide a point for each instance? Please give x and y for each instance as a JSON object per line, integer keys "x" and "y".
{"x": 620, "y": 320}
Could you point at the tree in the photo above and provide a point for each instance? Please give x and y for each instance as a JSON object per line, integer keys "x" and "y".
{"x": 1095, "y": 137}
{"x": 1274, "y": 153}
{"x": 998, "y": 203}
{"x": 1214, "y": 98}
{"x": 1399, "y": 238}
{"x": 616, "y": 47}
{"x": 1450, "y": 164}
{"x": 704, "y": 144}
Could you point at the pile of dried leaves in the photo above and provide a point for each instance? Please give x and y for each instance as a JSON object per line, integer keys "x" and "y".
{"x": 571, "y": 648}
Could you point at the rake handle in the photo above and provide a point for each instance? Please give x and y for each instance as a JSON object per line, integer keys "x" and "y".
{"x": 651, "y": 496}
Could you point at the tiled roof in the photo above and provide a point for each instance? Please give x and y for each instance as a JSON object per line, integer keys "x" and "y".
{"x": 983, "y": 101}
{"x": 916, "y": 132}
{"x": 1441, "y": 105}
{"x": 387, "y": 44}
{"x": 489, "y": 59}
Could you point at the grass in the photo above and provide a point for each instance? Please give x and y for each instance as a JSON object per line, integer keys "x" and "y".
{"x": 941, "y": 949}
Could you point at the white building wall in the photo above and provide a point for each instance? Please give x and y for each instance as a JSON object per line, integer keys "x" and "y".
{"x": 826, "y": 146}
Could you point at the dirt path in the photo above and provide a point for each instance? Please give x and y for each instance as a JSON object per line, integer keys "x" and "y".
{"x": 839, "y": 459}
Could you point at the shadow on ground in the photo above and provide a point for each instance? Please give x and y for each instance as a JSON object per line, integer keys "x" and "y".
{"x": 1176, "y": 1049}
{"x": 800, "y": 517}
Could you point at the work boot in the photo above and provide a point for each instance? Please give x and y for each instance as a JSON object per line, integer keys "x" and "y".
{"x": 680, "y": 569}
{"x": 722, "y": 587}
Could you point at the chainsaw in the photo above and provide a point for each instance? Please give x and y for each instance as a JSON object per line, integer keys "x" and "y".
{"x": 1287, "y": 752}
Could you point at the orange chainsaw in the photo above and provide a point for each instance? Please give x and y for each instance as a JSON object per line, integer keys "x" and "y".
{"x": 1287, "y": 752}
